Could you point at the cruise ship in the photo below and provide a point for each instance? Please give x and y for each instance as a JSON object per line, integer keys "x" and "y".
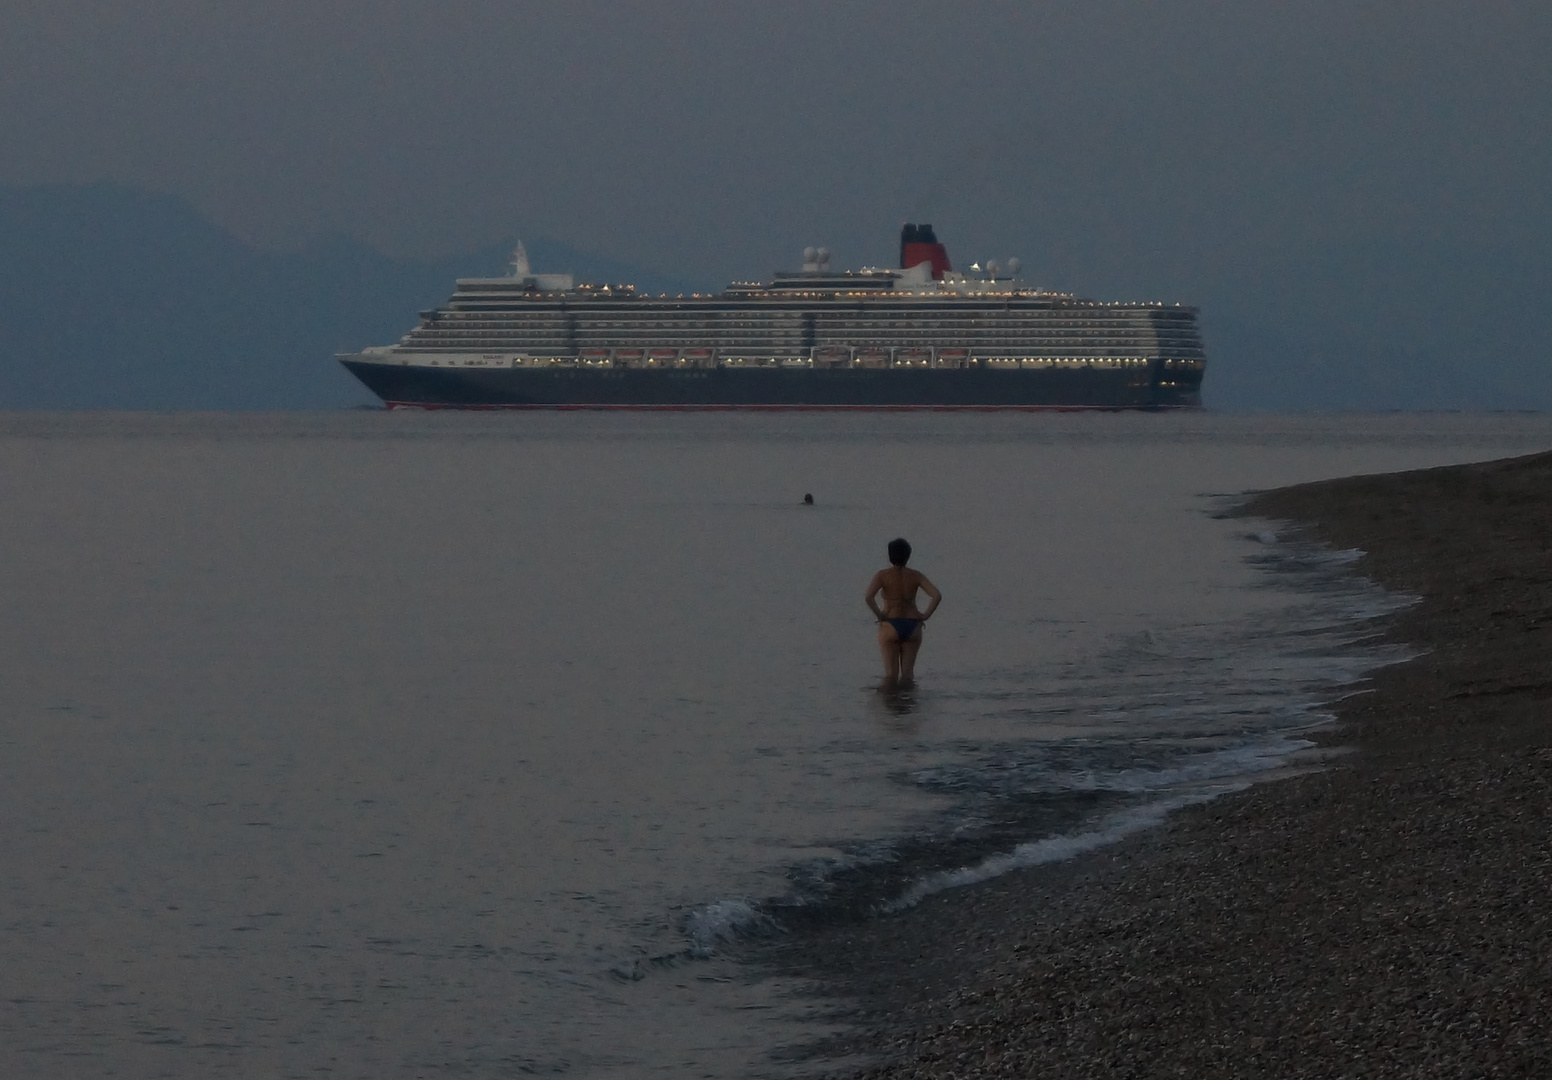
{"x": 917, "y": 336}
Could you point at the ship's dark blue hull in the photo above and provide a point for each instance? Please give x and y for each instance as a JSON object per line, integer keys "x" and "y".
{"x": 1146, "y": 387}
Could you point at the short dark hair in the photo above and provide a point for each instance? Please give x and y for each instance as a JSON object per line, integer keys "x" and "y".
{"x": 899, "y": 551}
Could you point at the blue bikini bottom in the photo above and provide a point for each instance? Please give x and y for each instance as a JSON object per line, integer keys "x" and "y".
{"x": 904, "y": 628}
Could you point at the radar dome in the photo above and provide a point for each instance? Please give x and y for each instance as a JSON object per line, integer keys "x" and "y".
{"x": 1014, "y": 266}
{"x": 810, "y": 254}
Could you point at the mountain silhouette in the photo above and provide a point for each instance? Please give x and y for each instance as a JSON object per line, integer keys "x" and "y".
{"x": 115, "y": 298}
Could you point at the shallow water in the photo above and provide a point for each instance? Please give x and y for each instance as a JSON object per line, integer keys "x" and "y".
{"x": 374, "y": 744}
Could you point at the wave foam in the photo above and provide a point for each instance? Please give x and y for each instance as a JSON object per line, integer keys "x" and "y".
{"x": 1236, "y": 761}
{"x": 721, "y": 921}
{"x": 1052, "y": 848}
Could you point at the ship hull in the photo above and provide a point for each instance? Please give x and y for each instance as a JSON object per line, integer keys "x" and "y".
{"x": 773, "y": 388}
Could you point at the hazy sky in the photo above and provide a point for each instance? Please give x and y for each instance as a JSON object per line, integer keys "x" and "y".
{"x": 721, "y": 135}
{"x": 1271, "y": 157}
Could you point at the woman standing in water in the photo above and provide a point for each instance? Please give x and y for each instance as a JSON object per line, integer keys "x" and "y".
{"x": 899, "y": 621}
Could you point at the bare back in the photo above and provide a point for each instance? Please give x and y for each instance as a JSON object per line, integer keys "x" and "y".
{"x": 899, "y": 586}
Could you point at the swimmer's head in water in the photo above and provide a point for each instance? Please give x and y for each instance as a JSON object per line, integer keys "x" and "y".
{"x": 899, "y": 551}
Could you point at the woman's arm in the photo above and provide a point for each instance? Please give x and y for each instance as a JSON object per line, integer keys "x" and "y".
{"x": 875, "y": 587}
{"x": 935, "y": 597}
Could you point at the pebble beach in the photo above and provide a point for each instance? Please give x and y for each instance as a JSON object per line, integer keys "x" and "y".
{"x": 1380, "y": 909}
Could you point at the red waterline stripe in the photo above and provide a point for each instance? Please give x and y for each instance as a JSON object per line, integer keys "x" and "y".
{"x": 784, "y": 408}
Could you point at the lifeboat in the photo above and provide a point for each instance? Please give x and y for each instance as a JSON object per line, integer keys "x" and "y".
{"x": 662, "y": 357}
{"x": 593, "y": 357}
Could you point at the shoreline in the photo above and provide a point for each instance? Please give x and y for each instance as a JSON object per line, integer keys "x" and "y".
{"x": 1386, "y": 915}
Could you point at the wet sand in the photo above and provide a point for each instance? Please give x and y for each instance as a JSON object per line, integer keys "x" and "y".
{"x": 1387, "y": 915}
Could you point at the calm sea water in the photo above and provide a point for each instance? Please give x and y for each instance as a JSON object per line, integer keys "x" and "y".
{"x": 392, "y": 745}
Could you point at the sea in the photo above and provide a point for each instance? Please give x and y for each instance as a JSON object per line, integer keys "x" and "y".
{"x": 371, "y": 744}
